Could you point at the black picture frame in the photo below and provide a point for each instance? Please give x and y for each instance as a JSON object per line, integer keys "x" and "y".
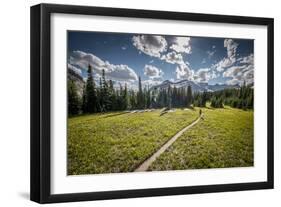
{"x": 41, "y": 97}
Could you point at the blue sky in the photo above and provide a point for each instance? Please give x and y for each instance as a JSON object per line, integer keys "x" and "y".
{"x": 156, "y": 58}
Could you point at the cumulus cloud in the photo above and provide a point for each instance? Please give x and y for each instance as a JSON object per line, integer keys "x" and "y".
{"x": 173, "y": 57}
{"x": 241, "y": 73}
{"x": 224, "y": 63}
{"x": 152, "y": 45}
{"x": 151, "y": 82}
{"x": 204, "y": 75}
{"x": 230, "y": 59}
{"x": 183, "y": 71}
{"x": 231, "y": 48}
{"x": 157, "y": 46}
{"x": 233, "y": 82}
{"x": 74, "y": 69}
{"x": 248, "y": 59}
{"x": 153, "y": 72}
{"x": 181, "y": 44}
{"x": 234, "y": 71}
{"x": 117, "y": 72}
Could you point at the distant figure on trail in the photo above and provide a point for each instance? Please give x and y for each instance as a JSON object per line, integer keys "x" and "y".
{"x": 200, "y": 114}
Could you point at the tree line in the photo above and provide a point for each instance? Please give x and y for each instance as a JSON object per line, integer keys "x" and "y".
{"x": 242, "y": 98}
{"x": 105, "y": 97}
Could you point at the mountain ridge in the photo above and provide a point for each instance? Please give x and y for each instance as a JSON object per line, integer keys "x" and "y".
{"x": 196, "y": 87}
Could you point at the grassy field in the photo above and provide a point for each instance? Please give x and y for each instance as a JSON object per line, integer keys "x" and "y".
{"x": 120, "y": 142}
{"x": 223, "y": 139}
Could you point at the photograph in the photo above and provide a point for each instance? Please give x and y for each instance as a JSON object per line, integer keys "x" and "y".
{"x": 156, "y": 102}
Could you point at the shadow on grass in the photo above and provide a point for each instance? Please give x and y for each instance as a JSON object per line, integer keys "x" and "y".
{"x": 163, "y": 113}
{"x": 117, "y": 114}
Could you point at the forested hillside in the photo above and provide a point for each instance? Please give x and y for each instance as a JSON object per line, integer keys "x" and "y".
{"x": 106, "y": 96}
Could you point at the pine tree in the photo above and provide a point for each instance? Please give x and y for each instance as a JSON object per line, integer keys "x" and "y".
{"x": 153, "y": 98}
{"x": 91, "y": 98}
{"x": 119, "y": 105}
{"x": 204, "y": 99}
{"x": 169, "y": 97}
{"x": 100, "y": 97}
{"x": 148, "y": 99}
{"x": 125, "y": 98}
{"x": 140, "y": 95}
{"x": 174, "y": 96}
{"x": 189, "y": 97}
{"x": 84, "y": 100}
{"x": 133, "y": 100}
{"x": 104, "y": 93}
{"x": 111, "y": 96}
{"x": 73, "y": 98}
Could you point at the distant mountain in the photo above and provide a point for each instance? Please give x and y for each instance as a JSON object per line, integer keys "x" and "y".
{"x": 196, "y": 87}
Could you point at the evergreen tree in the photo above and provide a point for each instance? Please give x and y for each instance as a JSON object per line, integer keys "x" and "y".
{"x": 111, "y": 96}
{"x": 169, "y": 98}
{"x": 216, "y": 102}
{"x": 104, "y": 93}
{"x": 153, "y": 99}
{"x": 140, "y": 96}
{"x": 133, "y": 100}
{"x": 73, "y": 98}
{"x": 84, "y": 102}
{"x": 100, "y": 101}
{"x": 125, "y": 98}
{"x": 148, "y": 99}
{"x": 120, "y": 102}
{"x": 189, "y": 96}
{"x": 91, "y": 98}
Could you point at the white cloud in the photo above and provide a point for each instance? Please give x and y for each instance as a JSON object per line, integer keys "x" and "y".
{"x": 151, "y": 45}
{"x": 248, "y": 59}
{"x": 231, "y": 48}
{"x": 151, "y": 82}
{"x": 230, "y": 59}
{"x": 234, "y": 72}
{"x": 153, "y": 72}
{"x": 204, "y": 75}
{"x": 241, "y": 73}
{"x": 184, "y": 72}
{"x": 233, "y": 82}
{"x": 130, "y": 85}
{"x": 117, "y": 72}
{"x": 249, "y": 76}
{"x": 75, "y": 69}
{"x": 181, "y": 45}
{"x": 124, "y": 48}
{"x": 173, "y": 57}
{"x": 224, "y": 63}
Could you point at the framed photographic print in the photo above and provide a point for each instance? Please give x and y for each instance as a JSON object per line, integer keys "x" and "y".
{"x": 132, "y": 103}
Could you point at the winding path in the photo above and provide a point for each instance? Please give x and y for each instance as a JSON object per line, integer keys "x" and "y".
{"x": 144, "y": 166}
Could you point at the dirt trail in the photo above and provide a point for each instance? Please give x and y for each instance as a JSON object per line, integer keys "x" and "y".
{"x": 144, "y": 166}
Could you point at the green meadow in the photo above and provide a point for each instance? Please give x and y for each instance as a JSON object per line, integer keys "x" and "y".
{"x": 223, "y": 139}
{"x": 120, "y": 141}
